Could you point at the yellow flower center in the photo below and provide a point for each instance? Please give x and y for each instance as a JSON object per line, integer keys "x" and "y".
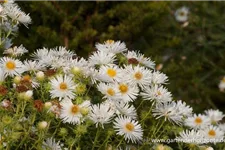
{"x": 129, "y": 127}
{"x": 63, "y": 86}
{"x": 10, "y": 65}
{"x": 111, "y": 73}
{"x": 198, "y": 120}
{"x": 123, "y": 88}
{"x": 159, "y": 93}
{"x": 110, "y": 41}
{"x": 138, "y": 75}
{"x": 75, "y": 109}
{"x": 111, "y": 92}
{"x": 212, "y": 133}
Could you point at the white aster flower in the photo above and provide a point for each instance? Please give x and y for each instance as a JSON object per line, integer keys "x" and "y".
{"x": 181, "y": 14}
{"x": 111, "y": 46}
{"x": 110, "y": 73}
{"x": 10, "y": 66}
{"x": 184, "y": 109}
{"x": 197, "y": 121}
{"x": 16, "y": 51}
{"x": 32, "y": 65}
{"x": 191, "y": 137}
{"x": 51, "y": 144}
{"x": 214, "y": 115}
{"x": 101, "y": 114}
{"x": 126, "y": 109}
{"x": 170, "y": 111}
{"x": 101, "y": 58}
{"x": 109, "y": 90}
{"x": 127, "y": 92}
{"x": 131, "y": 55}
{"x": 159, "y": 78}
{"x": 213, "y": 134}
{"x": 72, "y": 113}
{"x": 128, "y": 128}
{"x": 156, "y": 93}
{"x": 137, "y": 76}
{"x": 78, "y": 66}
{"x": 62, "y": 87}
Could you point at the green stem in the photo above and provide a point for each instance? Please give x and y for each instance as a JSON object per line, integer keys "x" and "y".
{"x": 95, "y": 140}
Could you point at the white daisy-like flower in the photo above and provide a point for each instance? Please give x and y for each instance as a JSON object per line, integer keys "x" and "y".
{"x": 101, "y": 58}
{"x": 52, "y": 144}
{"x": 109, "y": 90}
{"x": 191, "y": 137}
{"x": 77, "y": 66}
{"x": 181, "y": 14}
{"x": 222, "y": 84}
{"x": 197, "y": 121}
{"x": 62, "y": 87}
{"x": 159, "y": 78}
{"x": 168, "y": 110}
{"x": 137, "y": 76}
{"x": 40, "y": 54}
{"x": 140, "y": 58}
{"x": 14, "y": 12}
{"x": 16, "y": 51}
{"x": 101, "y": 114}
{"x": 109, "y": 73}
{"x": 214, "y": 115}
{"x": 111, "y": 46}
{"x": 156, "y": 93}
{"x": 126, "y": 109}
{"x": 7, "y": 43}
{"x": 72, "y": 113}
{"x": 61, "y": 52}
{"x": 127, "y": 92}
{"x": 184, "y": 109}
{"x": 32, "y": 65}
{"x": 128, "y": 128}
{"x": 10, "y": 66}
{"x": 213, "y": 134}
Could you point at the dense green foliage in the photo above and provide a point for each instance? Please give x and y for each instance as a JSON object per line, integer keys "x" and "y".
{"x": 193, "y": 56}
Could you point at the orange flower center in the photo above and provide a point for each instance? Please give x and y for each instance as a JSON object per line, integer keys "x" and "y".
{"x": 138, "y": 75}
{"x": 123, "y": 88}
{"x": 198, "y": 120}
{"x": 111, "y": 92}
{"x": 111, "y": 73}
{"x": 63, "y": 86}
{"x": 129, "y": 127}
{"x": 10, "y": 65}
{"x": 212, "y": 133}
{"x": 75, "y": 109}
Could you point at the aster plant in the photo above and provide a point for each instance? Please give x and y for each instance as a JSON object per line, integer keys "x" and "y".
{"x": 115, "y": 99}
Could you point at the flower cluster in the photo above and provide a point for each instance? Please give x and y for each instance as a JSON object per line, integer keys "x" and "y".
{"x": 10, "y": 17}
{"x": 56, "y": 94}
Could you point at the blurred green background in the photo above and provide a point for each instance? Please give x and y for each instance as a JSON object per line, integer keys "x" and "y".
{"x": 193, "y": 56}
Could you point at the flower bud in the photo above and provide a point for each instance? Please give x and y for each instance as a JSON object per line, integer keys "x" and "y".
{"x": 28, "y": 95}
{"x": 63, "y": 132}
{"x": 40, "y": 75}
{"x": 42, "y": 125}
{"x": 84, "y": 111}
{"x": 47, "y": 105}
{"x": 17, "y": 79}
